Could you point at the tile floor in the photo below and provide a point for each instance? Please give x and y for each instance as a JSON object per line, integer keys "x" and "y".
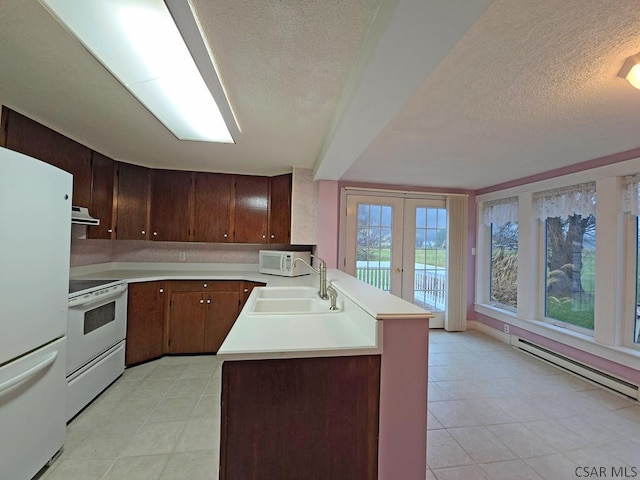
{"x": 494, "y": 414}
{"x": 159, "y": 421}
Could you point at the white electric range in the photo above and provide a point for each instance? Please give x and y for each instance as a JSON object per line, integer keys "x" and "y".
{"x": 96, "y": 333}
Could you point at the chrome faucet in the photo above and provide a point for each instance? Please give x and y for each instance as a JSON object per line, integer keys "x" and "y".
{"x": 322, "y": 271}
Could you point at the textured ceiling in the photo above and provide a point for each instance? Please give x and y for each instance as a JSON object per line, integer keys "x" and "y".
{"x": 445, "y": 93}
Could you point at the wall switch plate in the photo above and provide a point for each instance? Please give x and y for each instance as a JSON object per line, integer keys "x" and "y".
{"x": 182, "y": 256}
{"x": 506, "y": 328}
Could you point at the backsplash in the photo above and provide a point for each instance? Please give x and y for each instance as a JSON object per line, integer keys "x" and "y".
{"x": 89, "y": 252}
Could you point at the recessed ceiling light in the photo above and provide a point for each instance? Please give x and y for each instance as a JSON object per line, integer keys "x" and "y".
{"x": 139, "y": 42}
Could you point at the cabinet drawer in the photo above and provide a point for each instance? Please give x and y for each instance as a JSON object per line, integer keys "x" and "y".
{"x": 206, "y": 286}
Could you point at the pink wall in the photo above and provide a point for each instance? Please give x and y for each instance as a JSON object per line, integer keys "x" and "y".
{"x": 402, "y": 442}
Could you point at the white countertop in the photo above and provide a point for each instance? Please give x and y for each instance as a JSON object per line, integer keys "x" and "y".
{"x": 354, "y": 330}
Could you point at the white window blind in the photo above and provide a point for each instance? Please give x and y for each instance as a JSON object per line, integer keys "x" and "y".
{"x": 500, "y": 212}
{"x": 565, "y": 202}
{"x": 631, "y": 194}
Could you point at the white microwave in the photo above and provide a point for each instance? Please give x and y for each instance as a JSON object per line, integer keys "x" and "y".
{"x": 276, "y": 262}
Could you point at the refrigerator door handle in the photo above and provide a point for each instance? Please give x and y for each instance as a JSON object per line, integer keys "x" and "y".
{"x": 7, "y": 385}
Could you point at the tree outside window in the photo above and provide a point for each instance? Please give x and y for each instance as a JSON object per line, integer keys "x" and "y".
{"x": 570, "y": 270}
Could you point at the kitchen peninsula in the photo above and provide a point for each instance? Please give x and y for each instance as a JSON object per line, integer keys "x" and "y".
{"x": 360, "y": 372}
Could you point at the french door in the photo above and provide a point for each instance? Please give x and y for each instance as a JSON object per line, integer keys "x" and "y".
{"x": 400, "y": 246}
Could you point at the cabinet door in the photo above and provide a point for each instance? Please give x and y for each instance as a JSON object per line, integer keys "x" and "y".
{"x": 246, "y": 291}
{"x": 170, "y": 199}
{"x": 280, "y": 209}
{"x": 251, "y": 209}
{"x": 222, "y": 311}
{"x": 102, "y": 183}
{"x": 132, "y": 215}
{"x": 29, "y": 137}
{"x": 186, "y": 322}
{"x": 145, "y": 322}
{"x": 213, "y": 199}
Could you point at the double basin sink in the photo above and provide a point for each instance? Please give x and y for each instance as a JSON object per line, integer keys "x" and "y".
{"x": 289, "y": 300}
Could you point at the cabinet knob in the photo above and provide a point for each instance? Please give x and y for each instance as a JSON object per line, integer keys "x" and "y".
{"x": 273, "y": 236}
{"x": 109, "y": 231}
{"x": 162, "y": 290}
{"x": 143, "y": 232}
{"x": 225, "y": 235}
{"x": 264, "y": 236}
{"x": 204, "y": 285}
{"x": 155, "y": 234}
{"x": 201, "y": 301}
{"x": 209, "y": 301}
{"x": 246, "y": 290}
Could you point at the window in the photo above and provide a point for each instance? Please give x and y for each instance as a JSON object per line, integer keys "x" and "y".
{"x": 636, "y": 328}
{"x": 631, "y": 205}
{"x": 504, "y": 265}
{"x": 570, "y": 228}
{"x": 501, "y": 216}
{"x": 570, "y": 270}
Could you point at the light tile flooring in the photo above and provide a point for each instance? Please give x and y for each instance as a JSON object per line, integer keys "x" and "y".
{"x": 159, "y": 421}
{"x": 494, "y": 414}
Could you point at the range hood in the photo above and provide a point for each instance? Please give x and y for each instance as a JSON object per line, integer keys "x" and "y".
{"x": 80, "y": 215}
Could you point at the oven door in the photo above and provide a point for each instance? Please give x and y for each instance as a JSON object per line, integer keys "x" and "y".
{"x": 94, "y": 326}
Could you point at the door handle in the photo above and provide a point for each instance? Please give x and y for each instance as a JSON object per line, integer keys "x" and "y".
{"x": 4, "y": 386}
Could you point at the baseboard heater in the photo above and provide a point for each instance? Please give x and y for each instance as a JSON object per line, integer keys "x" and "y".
{"x": 572, "y": 366}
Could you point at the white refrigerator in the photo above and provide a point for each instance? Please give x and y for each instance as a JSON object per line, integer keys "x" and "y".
{"x": 35, "y": 236}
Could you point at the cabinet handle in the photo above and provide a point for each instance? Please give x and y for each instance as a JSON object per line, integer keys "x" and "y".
{"x": 162, "y": 290}
{"x": 201, "y": 301}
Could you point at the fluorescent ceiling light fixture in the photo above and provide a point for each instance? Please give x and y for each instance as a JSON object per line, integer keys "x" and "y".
{"x": 631, "y": 70}
{"x": 140, "y": 43}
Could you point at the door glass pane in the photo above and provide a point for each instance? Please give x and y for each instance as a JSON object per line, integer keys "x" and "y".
{"x": 373, "y": 244}
{"x": 430, "y": 273}
{"x": 570, "y": 270}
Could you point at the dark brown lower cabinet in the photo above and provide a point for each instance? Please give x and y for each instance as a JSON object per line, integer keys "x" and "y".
{"x": 145, "y": 322}
{"x": 312, "y": 419}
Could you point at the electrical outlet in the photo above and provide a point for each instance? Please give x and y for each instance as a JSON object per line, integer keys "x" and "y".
{"x": 506, "y": 328}
{"x": 182, "y": 256}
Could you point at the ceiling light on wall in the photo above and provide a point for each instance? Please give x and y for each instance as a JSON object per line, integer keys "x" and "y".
{"x": 631, "y": 70}
{"x": 142, "y": 43}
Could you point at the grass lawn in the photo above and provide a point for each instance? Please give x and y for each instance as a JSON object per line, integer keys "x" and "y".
{"x": 430, "y": 256}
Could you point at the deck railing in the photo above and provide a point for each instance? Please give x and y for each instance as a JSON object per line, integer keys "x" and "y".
{"x": 430, "y": 282}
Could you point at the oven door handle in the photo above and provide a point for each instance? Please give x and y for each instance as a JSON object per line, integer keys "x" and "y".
{"x": 26, "y": 375}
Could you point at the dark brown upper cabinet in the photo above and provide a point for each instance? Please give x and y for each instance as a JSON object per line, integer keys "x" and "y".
{"x": 251, "y": 206}
{"x": 170, "y": 205}
{"x": 213, "y": 199}
{"x": 279, "y": 209}
{"x": 132, "y": 210}
{"x": 24, "y": 135}
{"x": 102, "y": 196}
